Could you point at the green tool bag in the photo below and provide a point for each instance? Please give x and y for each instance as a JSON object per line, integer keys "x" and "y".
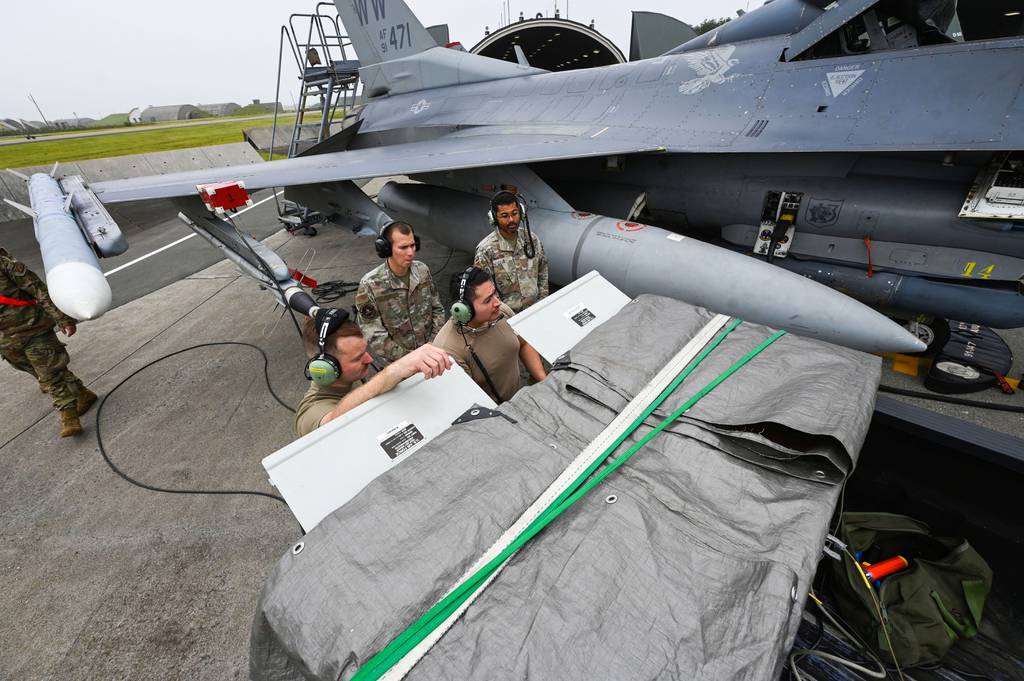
{"x": 926, "y": 607}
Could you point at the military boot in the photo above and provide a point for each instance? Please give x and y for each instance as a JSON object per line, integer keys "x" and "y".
{"x": 69, "y": 424}
{"x": 86, "y": 398}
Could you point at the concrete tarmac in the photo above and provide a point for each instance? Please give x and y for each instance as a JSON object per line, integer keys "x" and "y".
{"x": 1005, "y": 422}
{"x": 104, "y": 580}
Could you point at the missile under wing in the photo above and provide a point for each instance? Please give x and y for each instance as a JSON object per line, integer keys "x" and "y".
{"x": 794, "y": 133}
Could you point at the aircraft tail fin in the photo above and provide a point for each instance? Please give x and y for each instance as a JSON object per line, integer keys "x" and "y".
{"x": 398, "y": 55}
{"x": 383, "y": 30}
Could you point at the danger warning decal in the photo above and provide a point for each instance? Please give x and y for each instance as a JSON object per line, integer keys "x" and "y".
{"x": 629, "y": 226}
{"x": 840, "y": 81}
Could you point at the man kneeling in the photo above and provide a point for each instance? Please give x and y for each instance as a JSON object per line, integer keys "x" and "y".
{"x": 482, "y": 341}
{"x": 339, "y": 363}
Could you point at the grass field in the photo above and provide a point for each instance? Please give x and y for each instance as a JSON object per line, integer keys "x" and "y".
{"x": 111, "y": 121}
{"x": 122, "y": 144}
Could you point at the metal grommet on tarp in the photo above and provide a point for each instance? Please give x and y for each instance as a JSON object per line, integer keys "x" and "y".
{"x": 477, "y": 412}
{"x": 611, "y": 499}
{"x": 297, "y": 549}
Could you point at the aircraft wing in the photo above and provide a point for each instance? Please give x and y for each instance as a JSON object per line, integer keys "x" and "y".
{"x": 471, "y": 148}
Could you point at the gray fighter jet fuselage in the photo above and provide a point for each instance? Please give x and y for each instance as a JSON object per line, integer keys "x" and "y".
{"x": 878, "y": 137}
{"x": 855, "y": 143}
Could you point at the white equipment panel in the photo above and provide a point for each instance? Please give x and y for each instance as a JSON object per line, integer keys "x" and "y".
{"x": 560, "y": 321}
{"x": 319, "y": 472}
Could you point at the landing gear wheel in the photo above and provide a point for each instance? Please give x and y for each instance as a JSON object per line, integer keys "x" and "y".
{"x": 927, "y": 333}
{"x": 968, "y": 357}
{"x": 921, "y": 331}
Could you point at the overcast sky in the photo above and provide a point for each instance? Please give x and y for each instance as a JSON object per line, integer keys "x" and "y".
{"x": 107, "y": 56}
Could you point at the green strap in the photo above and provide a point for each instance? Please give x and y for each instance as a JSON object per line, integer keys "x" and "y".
{"x": 975, "y": 592}
{"x": 384, "y": 660}
{"x": 963, "y": 629}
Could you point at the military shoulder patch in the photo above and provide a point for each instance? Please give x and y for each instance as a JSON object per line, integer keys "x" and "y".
{"x": 368, "y": 311}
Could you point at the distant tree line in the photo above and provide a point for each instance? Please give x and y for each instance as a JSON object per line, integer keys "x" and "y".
{"x": 709, "y": 25}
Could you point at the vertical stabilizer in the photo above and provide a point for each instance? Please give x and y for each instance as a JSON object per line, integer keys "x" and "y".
{"x": 383, "y": 30}
{"x": 397, "y": 55}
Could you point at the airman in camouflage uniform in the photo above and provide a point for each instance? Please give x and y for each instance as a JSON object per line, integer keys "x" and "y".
{"x": 28, "y": 343}
{"x": 521, "y": 281}
{"x": 397, "y": 304}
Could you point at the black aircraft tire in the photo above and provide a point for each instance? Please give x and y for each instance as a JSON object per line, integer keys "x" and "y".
{"x": 949, "y": 377}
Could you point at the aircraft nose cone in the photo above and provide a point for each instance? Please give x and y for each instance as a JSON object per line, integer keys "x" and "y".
{"x": 79, "y": 290}
{"x": 898, "y": 340}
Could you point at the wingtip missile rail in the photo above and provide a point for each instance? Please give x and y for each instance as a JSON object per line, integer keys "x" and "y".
{"x": 71, "y": 227}
{"x": 253, "y": 258}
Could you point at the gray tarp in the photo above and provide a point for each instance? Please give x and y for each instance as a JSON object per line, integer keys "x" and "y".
{"x": 699, "y": 570}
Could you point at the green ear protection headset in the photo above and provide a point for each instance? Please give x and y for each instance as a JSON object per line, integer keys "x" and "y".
{"x": 462, "y": 309}
{"x": 325, "y": 369}
{"x": 462, "y": 314}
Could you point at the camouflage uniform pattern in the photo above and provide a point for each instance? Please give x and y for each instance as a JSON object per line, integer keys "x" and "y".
{"x": 27, "y": 340}
{"x": 521, "y": 281}
{"x": 398, "y": 316}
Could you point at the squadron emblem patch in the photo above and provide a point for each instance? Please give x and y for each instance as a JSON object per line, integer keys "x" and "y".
{"x": 823, "y": 212}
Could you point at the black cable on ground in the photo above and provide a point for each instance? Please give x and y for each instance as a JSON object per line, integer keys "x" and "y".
{"x": 118, "y": 363}
{"x": 330, "y": 291}
{"x": 951, "y": 400}
{"x": 154, "y": 488}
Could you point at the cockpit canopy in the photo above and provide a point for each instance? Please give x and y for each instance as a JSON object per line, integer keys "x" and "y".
{"x": 777, "y": 17}
{"x": 841, "y": 27}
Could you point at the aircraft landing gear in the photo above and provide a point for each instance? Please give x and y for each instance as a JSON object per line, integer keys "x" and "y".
{"x": 924, "y": 332}
{"x": 299, "y": 219}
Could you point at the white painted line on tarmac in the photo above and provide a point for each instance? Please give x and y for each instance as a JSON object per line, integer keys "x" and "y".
{"x": 175, "y": 243}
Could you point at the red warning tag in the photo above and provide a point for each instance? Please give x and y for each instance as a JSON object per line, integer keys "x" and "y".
{"x": 1003, "y": 384}
{"x": 302, "y": 278}
{"x": 220, "y": 197}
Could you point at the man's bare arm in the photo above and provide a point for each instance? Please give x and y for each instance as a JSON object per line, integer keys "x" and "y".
{"x": 426, "y": 359}
{"x": 531, "y": 360}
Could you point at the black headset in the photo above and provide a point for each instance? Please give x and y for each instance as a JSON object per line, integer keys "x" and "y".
{"x": 462, "y": 308}
{"x": 502, "y": 198}
{"x": 505, "y": 197}
{"x": 383, "y": 245}
{"x": 325, "y": 369}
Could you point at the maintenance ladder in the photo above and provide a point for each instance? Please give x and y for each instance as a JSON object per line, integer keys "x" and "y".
{"x": 328, "y": 77}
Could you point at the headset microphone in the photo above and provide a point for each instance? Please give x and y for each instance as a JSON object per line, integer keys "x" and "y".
{"x": 529, "y": 250}
{"x": 325, "y": 369}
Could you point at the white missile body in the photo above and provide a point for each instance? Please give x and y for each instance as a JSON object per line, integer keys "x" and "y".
{"x": 640, "y": 258}
{"x": 73, "y": 276}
